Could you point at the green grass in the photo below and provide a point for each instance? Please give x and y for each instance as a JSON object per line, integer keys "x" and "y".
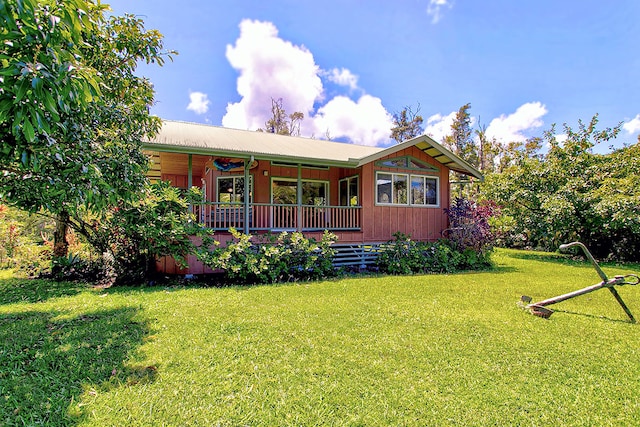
{"x": 420, "y": 350}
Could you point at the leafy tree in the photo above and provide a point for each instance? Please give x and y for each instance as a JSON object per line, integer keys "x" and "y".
{"x": 573, "y": 194}
{"x": 407, "y": 124}
{"x": 281, "y": 122}
{"x": 514, "y": 152}
{"x": 72, "y": 118}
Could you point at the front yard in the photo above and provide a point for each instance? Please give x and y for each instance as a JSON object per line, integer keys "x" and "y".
{"x": 415, "y": 350}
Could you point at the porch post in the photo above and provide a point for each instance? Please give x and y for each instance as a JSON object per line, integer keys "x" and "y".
{"x": 247, "y": 187}
{"x": 299, "y": 197}
{"x": 190, "y": 177}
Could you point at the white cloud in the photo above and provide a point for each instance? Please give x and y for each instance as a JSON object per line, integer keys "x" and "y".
{"x": 270, "y": 68}
{"x": 511, "y": 128}
{"x": 439, "y": 126}
{"x": 199, "y": 102}
{"x": 343, "y": 77}
{"x": 435, "y": 9}
{"x": 633, "y": 125}
{"x": 365, "y": 122}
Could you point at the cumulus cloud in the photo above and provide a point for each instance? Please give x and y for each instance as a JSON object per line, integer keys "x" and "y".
{"x": 439, "y": 126}
{"x": 198, "y": 102}
{"x": 272, "y": 68}
{"x": 343, "y": 77}
{"x": 633, "y": 125}
{"x": 366, "y": 121}
{"x": 435, "y": 9}
{"x": 513, "y": 127}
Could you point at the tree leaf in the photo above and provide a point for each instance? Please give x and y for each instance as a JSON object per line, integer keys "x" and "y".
{"x": 27, "y": 130}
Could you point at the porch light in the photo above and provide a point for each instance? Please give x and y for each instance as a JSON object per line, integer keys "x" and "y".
{"x": 265, "y": 172}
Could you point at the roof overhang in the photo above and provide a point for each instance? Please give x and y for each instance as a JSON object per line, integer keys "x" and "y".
{"x": 206, "y": 140}
{"x": 430, "y": 147}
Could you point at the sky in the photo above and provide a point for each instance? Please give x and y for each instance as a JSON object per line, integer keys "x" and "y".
{"x": 349, "y": 65}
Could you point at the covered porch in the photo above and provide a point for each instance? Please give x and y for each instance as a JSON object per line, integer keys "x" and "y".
{"x": 259, "y": 195}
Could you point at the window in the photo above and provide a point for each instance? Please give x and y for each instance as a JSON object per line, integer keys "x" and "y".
{"x": 285, "y": 192}
{"x": 407, "y": 162}
{"x": 348, "y": 193}
{"x": 391, "y": 189}
{"x": 423, "y": 191}
{"x": 231, "y": 189}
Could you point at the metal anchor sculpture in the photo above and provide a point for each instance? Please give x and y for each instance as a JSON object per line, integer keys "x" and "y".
{"x": 540, "y": 309}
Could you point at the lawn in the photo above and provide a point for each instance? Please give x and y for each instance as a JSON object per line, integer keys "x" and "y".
{"x": 373, "y": 351}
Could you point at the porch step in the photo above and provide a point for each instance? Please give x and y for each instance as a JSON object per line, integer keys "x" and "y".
{"x": 356, "y": 254}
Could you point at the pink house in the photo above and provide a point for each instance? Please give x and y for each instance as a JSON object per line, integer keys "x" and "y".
{"x": 259, "y": 182}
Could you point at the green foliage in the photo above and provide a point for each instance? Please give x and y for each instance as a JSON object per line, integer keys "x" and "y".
{"x": 43, "y": 73}
{"x": 404, "y": 256}
{"x": 137, "y": 233}
{"x": 23, "y": 243}
{"x": 461, "y": 140}
{"x": 407, "y": 124}
{"x": 572, "y": 194}
{"x": 282, "y": 258}
{"x": 73, "y": 114}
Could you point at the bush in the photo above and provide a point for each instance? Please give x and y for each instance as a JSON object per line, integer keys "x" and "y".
{"x": 134, "y": 235}
{"x": 406, "y": 256}
{"x": 281, "y": 258}
{"x": 470, "y": 226}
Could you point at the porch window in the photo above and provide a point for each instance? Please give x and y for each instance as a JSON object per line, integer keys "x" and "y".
{"x": 348, "y": 194}
{"x": 231, "y": 189}
{"x": 392, "y": 189}
{"x": 285, "y": 192}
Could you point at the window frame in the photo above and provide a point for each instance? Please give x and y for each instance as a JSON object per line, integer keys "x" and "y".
{"x": 409, "y": 196}
{"x": 348, "y": 180}
{"x": 327, "y": 187}
{"x": 233, "y": 177}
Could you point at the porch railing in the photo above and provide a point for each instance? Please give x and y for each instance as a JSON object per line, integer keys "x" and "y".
{"x": 269, "y": 216}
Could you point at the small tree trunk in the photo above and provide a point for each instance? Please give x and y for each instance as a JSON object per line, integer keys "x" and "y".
{"x": 60, "y": 243}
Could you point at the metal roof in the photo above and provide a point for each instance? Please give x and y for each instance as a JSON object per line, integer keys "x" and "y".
{"x": 194, "y": 138}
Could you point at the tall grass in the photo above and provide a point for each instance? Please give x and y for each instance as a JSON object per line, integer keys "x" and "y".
{"x": 416, "y": 350}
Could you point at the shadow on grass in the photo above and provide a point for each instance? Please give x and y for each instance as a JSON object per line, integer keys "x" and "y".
{"x": 566, "y": 259}
{"x": 541, "y": 256}
{"x": 48, "y": 360}
{"x": 36, "y": 290}
{"x": 593, "y": 316}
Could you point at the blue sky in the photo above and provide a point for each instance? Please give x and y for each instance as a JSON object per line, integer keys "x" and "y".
{"x": 349, "y": 65}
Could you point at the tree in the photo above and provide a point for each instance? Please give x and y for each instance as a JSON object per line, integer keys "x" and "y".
{"x": 407, "y": 124}
{"x": 461, "y": 139}
{"x": 489, "y": 152}
{"x": 515, "y": 151}
{"x": 281, "y": 123}
{"x": 571, "y": 193}
{"x": 73, "y": 113}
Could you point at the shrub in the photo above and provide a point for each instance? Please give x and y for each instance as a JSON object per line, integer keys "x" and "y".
{"x": 470, "y": 226}
{"x": 134, "y": 235}
{"x": 406, "y": 256}
{"x": 285, "y": 257}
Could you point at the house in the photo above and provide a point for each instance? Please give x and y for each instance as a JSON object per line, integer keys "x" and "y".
{"x": 259, "y": 182}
